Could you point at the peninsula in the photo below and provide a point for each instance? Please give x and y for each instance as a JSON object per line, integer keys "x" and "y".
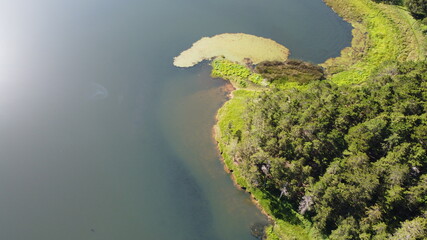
{"x": 335, "y": 151}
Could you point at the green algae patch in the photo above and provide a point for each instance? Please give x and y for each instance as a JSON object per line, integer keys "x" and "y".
{"x": 236, "y": 47}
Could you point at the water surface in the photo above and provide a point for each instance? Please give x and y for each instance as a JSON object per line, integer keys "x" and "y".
{"x": 101, "y": 137}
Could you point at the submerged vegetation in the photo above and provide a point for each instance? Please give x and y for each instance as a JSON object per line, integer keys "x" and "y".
{"x": 344, "y": 157}
{"x": 236, "y": 47}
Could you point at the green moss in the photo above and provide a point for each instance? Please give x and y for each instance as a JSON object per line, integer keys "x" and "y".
{"x": 237, "y": 47}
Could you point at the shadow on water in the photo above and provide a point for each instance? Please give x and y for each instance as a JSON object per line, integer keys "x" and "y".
{"x": 187, "y": 124}
{"x": 191, "y": 203}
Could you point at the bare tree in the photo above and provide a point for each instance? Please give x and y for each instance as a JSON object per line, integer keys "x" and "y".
{"x": 284, "y": 191}
{"x": 305, "y": 204}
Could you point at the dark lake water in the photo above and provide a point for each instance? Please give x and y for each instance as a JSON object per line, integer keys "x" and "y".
{"x": 101, "y": 137}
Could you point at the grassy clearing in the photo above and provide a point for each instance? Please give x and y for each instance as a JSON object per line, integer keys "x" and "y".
{"x": 233, "y": 110}
{"x": 382, "y": 33}
{"x": 230, "y": 116}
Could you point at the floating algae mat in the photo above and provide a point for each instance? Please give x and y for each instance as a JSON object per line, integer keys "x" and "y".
{"x": 234, "y": 47}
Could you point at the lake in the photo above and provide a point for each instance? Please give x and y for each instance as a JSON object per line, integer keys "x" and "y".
{"x": 101, "y": 137}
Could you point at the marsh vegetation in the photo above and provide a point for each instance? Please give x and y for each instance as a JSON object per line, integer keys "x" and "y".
{"x": 297, "y": 71}
{"x": 236, "y": 47}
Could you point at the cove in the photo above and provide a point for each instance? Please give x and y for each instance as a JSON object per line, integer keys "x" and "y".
{"x": 138, "y": 162}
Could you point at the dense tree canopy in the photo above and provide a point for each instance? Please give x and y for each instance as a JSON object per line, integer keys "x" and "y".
{"x": 351, "y": 158}
{"x": 397, "y": 2}
{"x": 418, "y": 8}
{"x": 289, "y": 71}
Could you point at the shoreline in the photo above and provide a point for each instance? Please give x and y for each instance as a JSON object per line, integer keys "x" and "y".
{"x": 356, "y": 54}
{"x": 229, "y": 88}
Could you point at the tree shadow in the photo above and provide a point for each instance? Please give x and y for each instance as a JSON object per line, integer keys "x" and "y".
{"x": 282, "y": 209}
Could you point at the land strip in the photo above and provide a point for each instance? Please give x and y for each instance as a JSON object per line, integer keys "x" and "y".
{"x": 381, "y": 34}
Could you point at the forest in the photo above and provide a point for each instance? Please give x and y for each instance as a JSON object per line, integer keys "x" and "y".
{"x": 337, "y": 150}
{"x": 351, "y": 159}
{"x": 418, "y": 8}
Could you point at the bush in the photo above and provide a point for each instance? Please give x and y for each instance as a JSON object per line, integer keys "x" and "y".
{"x": 290, "y": 71}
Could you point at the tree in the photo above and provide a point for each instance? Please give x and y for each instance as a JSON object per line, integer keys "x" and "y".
{"x": 351, "y": 158}
{"x": 395, "y": 2}
{"x": 418, "y": 8}
{"x": 412, "y": 230}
